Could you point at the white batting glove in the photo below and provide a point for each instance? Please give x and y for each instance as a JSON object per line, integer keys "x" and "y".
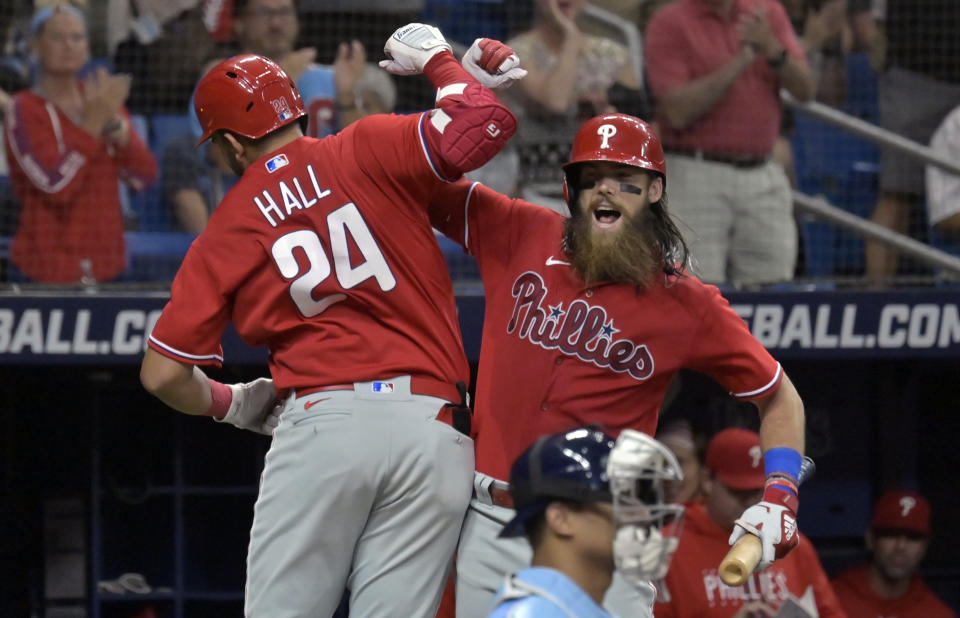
{"x": 493, "y": 64}
{"x": 254, "y": 406}
{"x": 774, "y": 521}
{"x": 411, "y": 47}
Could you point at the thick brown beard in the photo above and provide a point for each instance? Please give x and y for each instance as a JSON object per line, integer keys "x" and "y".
{"x": 628, "y": 257}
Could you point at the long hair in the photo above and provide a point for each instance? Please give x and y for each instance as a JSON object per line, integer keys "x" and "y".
{"x": 670, "y": 245}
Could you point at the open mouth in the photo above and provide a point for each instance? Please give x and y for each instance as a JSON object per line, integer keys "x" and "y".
{"x": 606, "y": 216}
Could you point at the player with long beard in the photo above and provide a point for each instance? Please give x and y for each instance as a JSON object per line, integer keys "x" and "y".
{"x": 587, "y": 321}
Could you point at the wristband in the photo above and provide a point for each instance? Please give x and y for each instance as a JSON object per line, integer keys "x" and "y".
{"x": 781, "y": 482}
{"x": 220, "y": 399}
{"x": 783, "y": 460}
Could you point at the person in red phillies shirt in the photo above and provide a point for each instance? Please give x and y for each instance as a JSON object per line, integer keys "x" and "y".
{"x": 888, "y": 584}
{"x": 68, "y": 142}
{"x": 732, "y": 478}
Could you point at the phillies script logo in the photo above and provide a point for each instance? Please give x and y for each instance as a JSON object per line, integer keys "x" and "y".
{"x": 581, "y": 330}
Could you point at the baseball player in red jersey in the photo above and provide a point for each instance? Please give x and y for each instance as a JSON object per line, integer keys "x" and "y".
{"x": 323, "y": 253}
{"x": 587, "y": 321}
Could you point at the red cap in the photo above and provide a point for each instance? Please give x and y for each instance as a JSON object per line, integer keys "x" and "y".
{"x": 902, "y": 510}
{"x": 736, "y": 458}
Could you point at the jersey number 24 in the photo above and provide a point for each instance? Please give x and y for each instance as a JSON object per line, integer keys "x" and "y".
{"x": 341, "y": 222}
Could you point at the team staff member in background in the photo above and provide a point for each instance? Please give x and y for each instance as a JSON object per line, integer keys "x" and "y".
{"x": 68, "y": 143}
{"x": 324, "y": 254}
{"x": 575, "y": 493}
{"x": 888, "y": 584}
{"x": 732, "y": 479}
{"x": 588, "y": 319}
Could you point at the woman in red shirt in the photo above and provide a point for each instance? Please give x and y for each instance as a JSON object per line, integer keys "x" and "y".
{"x": 68, "y": 143}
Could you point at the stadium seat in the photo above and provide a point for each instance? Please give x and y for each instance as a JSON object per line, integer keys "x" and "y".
{"x": 155, "y": 256}
{"x": 165, "y": 127}
{"x": 152, "y": 214}
{"x": 843, "y": 168}
{"x": 862, "y": 96}
{"x": 465, "y": 20}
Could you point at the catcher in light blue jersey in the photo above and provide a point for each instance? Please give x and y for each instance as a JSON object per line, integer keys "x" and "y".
{"x": 589, "y": 505}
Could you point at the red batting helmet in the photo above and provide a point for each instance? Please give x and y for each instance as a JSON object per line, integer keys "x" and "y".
{"x": 248, "y": 95}
{"x": 617, "y": 138}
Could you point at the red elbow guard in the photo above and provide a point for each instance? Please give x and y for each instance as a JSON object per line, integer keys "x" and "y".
{"x": 468, "y": 128}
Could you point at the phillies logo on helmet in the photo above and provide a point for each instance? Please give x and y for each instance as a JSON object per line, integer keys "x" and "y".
{"x": 606, "y": 131}
{"x": 906, "y": 505}
{"x": 755, "y": 454}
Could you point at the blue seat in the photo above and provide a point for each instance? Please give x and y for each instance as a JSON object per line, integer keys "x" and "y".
{"x": 152, "y": 214}
{"x": 465, "y": 20}
{"x": 862, "y": 91}
{"x": 155, "y": 256}
{"x": 165, "y": 127}
{"x": 843, "y": 168}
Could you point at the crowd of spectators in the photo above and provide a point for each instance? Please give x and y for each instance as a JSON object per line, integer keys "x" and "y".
{"x": 707, "y": 77}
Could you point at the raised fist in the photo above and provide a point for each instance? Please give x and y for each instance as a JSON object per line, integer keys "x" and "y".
{"x": 493, "y": 64}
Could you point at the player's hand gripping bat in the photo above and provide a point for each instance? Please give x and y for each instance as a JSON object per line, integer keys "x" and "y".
{"x": 747, "y": 552}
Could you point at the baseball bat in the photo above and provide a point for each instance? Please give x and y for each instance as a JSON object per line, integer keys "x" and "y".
{"x": 745, "y": 554}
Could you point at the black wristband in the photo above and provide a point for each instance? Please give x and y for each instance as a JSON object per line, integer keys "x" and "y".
{"x": 778, "y": 60}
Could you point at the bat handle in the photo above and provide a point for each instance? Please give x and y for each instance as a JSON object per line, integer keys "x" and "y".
{"x": 741, "y": 560}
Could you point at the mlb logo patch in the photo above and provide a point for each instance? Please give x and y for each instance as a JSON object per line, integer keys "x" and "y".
{"x": 382, "y": 387}
{"x": 277, "y": 162}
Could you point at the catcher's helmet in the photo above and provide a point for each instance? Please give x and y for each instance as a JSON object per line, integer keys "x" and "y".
{"x": 564, "y": 466}
{"x": 617, "y": 138}
{"x": 249, "y": 95}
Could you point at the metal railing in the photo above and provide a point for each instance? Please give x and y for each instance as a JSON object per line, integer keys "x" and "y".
{"x": 821, "y": 209}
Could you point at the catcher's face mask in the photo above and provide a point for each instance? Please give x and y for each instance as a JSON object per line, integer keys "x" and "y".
{"x": 647, "y": 529}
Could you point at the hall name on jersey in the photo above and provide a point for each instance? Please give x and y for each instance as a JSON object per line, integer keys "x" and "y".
{"x": 580, "y": 330}
{"x": 291, "y": 198}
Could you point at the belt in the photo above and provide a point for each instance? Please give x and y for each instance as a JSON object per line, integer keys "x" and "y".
{"x": 418, "y": 386}
{"x": 741, "y": 161}
{"x": 456, "y": 414}
{"x": 500, "y": 497}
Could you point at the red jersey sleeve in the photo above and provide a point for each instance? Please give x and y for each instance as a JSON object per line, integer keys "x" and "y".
{"x": 53, "y": 160}
{"x": 192, "y": 322}
{"x": 487, "y": 224}
{"x": 725, "y": 350}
